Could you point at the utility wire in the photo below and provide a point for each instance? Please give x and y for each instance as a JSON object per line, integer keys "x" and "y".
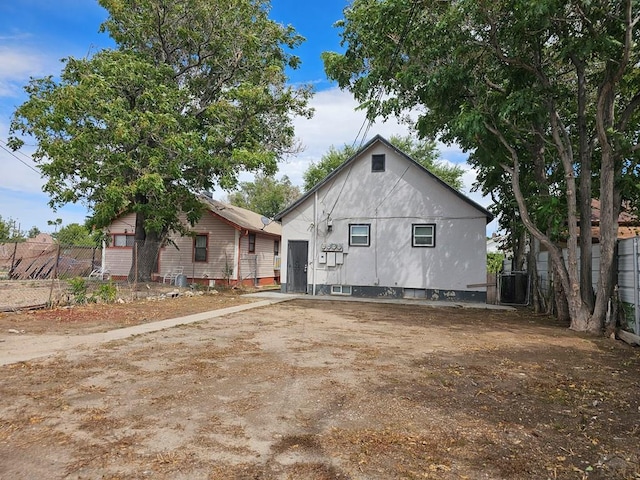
{"x": 3, "y": 146}
{"x": 367, "y": 121}
{"x": 405, "y": 30}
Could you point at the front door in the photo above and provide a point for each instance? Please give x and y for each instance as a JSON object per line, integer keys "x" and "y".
{"x": 297, "y": 258}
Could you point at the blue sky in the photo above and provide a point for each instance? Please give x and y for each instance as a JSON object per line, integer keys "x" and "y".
{"x": 36, "y": 34}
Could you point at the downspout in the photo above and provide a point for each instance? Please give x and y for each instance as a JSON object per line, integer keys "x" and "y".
{"x": 315, "y": 241}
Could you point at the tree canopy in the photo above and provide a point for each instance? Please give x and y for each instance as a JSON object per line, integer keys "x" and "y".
{"x": 75, "y": 234}
{"x": 422, "y": 151}
{"x": 9, "y": 232}
{"x": 194, "y": 93}
{"x": 266, "y": 195}
{"x": 544, "y": 95}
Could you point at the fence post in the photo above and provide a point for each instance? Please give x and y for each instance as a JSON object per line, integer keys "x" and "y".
{"x": 636, "y": 293}
{"x": 55, "y": 275}
{"x": 13, "y": 259}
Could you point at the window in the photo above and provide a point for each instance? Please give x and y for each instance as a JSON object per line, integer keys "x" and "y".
{"x": 276, "y": 248}
{"x": 200, "y": 247}
{"x": 252, "y": 243}
{"x": 423, "y": 235}
{"x": 123, "y": 240}
{"x": 359, "y": 235}
{"x": 377, "y": 162}
{"x": 340, "y": 289}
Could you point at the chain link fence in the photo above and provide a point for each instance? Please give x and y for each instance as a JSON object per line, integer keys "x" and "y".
{"x": 36, "y": 275}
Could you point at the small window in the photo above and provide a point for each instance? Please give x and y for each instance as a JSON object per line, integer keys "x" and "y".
{"x": 377, "y": 162}
{"x": 123, "y": 240}
{"x": 359, "y": 235}
{"x": 252, "y": 243}
{"x": 340, "y": 289}
{"x": 423, "y": 235}
{"x": 276, "y": 248}
{"x": 200, "y": 247}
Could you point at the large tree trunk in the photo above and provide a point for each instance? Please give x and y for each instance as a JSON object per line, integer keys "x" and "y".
{"x": 610, "y": 171}
{"x": 584, "y": 197}
{"x": 145, "y": 252}
{"x": 537, "y": 299}
{"x": 561, "y": 305}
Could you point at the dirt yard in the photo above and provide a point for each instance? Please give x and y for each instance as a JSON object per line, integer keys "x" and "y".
{"x": 323, "y": 390}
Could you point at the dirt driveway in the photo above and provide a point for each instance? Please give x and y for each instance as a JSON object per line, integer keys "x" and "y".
{"x": 325, "y": 390}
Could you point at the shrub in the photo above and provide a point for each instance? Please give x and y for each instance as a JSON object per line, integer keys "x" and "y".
{"x": 78, "y": 288}
{"x": 105, "y": 293}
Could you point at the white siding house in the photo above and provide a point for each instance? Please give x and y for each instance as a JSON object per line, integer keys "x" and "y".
{"x": 229, "y": 245}
{"x": 382, "y": 225}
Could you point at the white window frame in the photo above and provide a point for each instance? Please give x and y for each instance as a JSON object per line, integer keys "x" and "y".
{"x": 430, "y": 238}
{"x": 353, "y": 235}
{"x": 340, "y": 289}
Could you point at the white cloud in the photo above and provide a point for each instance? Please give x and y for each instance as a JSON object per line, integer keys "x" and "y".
{"x": 17, "y": 65}
{"x": 336, "y": 122}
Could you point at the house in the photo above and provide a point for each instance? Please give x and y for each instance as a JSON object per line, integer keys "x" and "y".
{"x": 230, "y": 245}
{"x": 381, "y": 225}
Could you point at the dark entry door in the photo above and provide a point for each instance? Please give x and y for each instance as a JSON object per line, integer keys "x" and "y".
{"x": 297, "y": 255}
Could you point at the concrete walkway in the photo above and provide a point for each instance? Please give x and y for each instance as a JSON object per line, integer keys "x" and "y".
{"x": 275, "y": 294}
{"x": 22, "y": 348}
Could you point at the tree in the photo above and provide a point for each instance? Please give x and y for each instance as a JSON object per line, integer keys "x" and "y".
{"x": 331, "y": 160}
{"x": 195, "y": 93}
{"x": 74, "y": 234}
{"x": 544, "y": 94}
{"x": 265, "y": 195}
{"x": 422, "y": 151}
{"x": 33, "y": 232}
{"x": 9, "y": 232}
{"x": 426, "y": 154}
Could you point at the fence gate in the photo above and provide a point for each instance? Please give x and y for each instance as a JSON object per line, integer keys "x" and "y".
{"x": 514, "y": 288}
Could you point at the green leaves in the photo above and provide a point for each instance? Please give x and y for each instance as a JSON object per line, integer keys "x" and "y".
{"x": 194, "y": 93}
{"x": 265, "y": 195}
{"x": 422, "y": 151}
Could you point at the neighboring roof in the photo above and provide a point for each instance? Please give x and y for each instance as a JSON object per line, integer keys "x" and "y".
{"x": 41, "y": 238}
{"x": 628, "y": 224}
{"x": 624, "y": 218}
{"x": 349, "y": 161}
{"x": 241, "y": 217}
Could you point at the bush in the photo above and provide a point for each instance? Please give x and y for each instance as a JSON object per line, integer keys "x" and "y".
{"x": 494, "y": 262}
{"x": 78, "y": 287}
{"x": 106, "y": 293}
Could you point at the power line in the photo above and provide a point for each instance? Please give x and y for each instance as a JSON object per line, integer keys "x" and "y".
{"x": 3, "y": 146}
{"x": 405, "y": 30}
{"x": 368, "y": 122}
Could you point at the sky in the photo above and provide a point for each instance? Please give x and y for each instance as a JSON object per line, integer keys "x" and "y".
{"x": 35, "y": 35}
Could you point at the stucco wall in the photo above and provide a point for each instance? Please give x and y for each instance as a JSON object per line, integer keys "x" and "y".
{"x": 390, "y": 202}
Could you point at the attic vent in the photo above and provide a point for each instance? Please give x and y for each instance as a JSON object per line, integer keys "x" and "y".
{"x": 377, "y": 162}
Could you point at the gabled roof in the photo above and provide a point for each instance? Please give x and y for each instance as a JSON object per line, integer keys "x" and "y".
{"x": 346, "y": 163}
{"x": 241, "y": 218}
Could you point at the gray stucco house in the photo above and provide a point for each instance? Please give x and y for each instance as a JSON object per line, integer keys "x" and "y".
{"x": 382, "y": 225}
